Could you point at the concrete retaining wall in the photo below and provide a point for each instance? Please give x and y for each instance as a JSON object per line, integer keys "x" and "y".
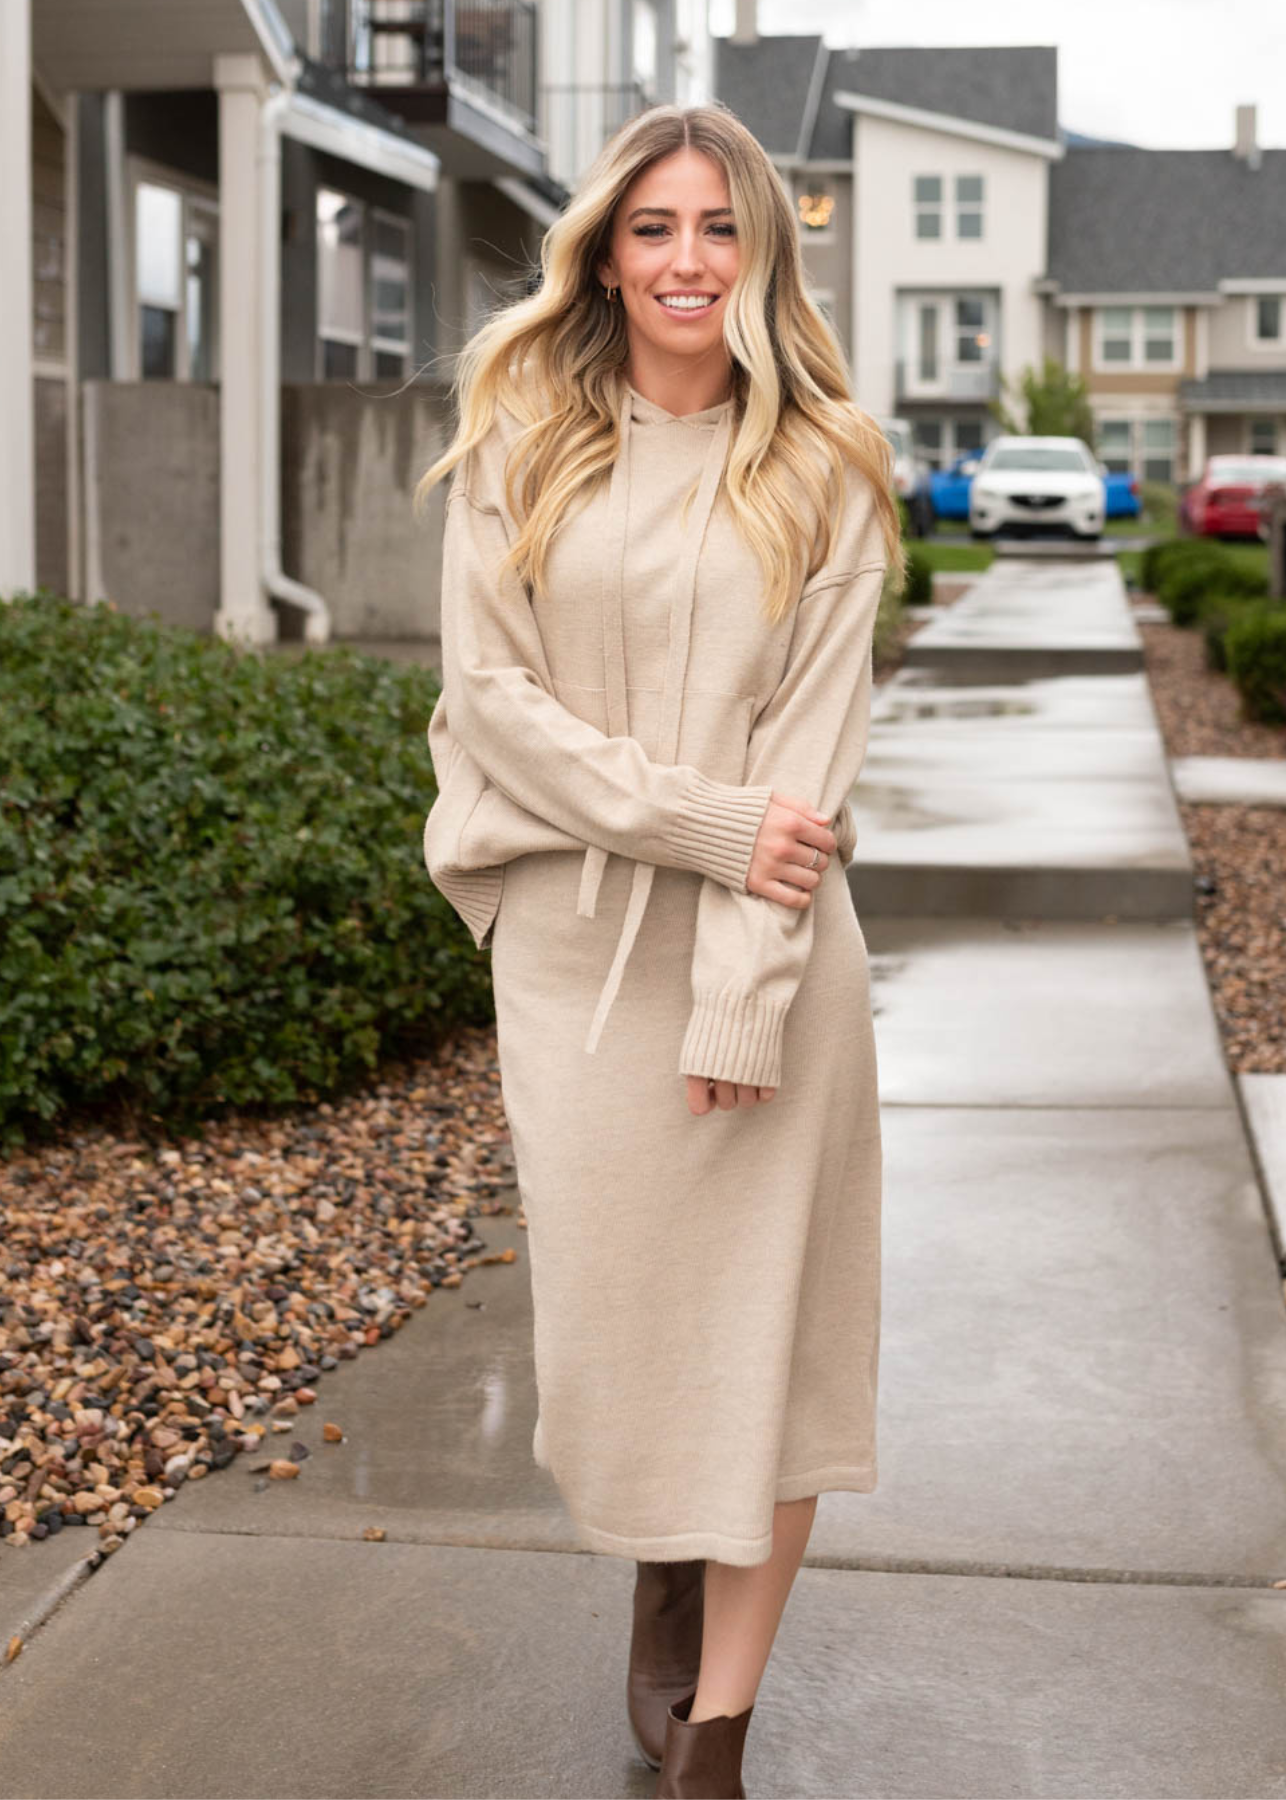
{"x": 350, "y": 462}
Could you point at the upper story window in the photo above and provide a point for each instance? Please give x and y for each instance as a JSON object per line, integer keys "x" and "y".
{"x": 1269, "y": 312}
{"x": 929, "y": 197}
{"x": 928, "y": 206}
{"x": 363, "y": 289}
{"x": 176, "y": 281}
{"x": 1137, "y": 337}
{"x": 968, "y": 206}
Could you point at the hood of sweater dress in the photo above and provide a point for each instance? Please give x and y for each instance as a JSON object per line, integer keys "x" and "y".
{"x": 638, "y": 413}
{"x": 473, "y": 828}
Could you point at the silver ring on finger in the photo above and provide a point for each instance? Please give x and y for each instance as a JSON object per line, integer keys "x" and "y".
{"x": 816, "y": 854}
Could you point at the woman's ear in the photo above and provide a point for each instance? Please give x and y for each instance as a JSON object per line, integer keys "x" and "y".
{"x": 606, "y": 274}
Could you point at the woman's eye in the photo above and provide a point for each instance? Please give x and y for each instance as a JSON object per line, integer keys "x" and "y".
{"x": 724, "y": 230}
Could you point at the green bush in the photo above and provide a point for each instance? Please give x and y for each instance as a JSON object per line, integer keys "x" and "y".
{"x": 1185, "y": 583}
{"x": 1173, "y": 553}
{"x": 1160, "y": 505}
{"x": 1217, "y": 614}
{"x": 1256, "y": 651}
{"x": 919, "y": 578}
{"x": 212, "y": 886}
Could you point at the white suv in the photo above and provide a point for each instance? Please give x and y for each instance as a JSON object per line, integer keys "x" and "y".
{"x": 1026, "y": 484}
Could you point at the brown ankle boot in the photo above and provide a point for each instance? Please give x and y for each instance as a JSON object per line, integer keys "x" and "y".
{"x": 702, "y": 1761}
{"x": 665, "y": 1647}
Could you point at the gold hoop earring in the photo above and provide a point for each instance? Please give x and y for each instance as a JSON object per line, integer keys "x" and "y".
{"x": 612, "y": 292}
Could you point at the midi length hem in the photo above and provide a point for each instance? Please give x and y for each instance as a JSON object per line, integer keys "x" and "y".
{"x": 718, "y": 1546}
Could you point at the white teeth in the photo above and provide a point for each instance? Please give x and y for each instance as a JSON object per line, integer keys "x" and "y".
{"x": 685, "y": 302}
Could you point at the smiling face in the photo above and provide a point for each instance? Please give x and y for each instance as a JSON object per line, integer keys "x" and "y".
{"x": 674, "y": 255}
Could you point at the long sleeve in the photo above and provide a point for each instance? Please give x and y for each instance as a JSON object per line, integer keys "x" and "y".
{"x": 809, "y": 739}
{"x": 602, "y": 790}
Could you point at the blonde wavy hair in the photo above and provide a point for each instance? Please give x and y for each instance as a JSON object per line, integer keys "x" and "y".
{"x": 553, "y": 358}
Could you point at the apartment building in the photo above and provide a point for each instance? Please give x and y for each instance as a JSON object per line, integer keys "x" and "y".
{"x": 955, "y": 234}
{"x": 245, "y": 239}
{"x": 1166, "y": 284}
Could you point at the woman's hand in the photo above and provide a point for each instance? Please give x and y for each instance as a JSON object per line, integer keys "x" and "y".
{"x": 789, "y": 832}
{"x": 705, "y": 1096}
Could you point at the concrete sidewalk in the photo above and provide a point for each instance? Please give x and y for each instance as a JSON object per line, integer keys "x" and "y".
{"x": 1061, "y": 1586}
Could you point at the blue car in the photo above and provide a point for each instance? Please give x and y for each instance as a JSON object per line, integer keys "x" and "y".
{"x": 1123, "y": 500}
{"x": 949, "y": 488}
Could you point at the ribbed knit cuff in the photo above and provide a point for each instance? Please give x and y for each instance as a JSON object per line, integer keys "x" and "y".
{"x": 735, "y": 1036}
{"x": 715, "y": 832}
{"x": 475, "y": 895}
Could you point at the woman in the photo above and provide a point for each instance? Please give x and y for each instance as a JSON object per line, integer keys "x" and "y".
{"x": 664, "y": 550}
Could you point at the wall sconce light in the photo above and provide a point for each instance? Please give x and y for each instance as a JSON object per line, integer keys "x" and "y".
{"x": 815, "y": 210}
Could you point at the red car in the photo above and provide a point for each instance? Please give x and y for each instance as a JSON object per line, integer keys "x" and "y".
{"x": 1224, "y": 503}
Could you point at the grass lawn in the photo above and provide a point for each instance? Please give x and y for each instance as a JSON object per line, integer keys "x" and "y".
{"x": 968, "y": 559}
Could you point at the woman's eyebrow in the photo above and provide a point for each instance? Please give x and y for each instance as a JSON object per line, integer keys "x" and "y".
{"x": 668, "y": 212}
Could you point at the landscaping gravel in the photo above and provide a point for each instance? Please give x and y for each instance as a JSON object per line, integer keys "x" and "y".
{"x": 164, "y": 1308}
{"x": 1238, "y": 852}
{"x": 1199, "y": 709}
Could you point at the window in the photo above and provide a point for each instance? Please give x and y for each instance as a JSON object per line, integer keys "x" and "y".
{"x": 363, "y": 290}
{"x": 971, "y": 339}
{"x": 1263, "y": 437}
{"x": 1158, "y": 449}
{"x": 928, "y": 440}
{"x": 968, "y": 206}
{"x": 1114, "y": 445}
{"x": 1268, "y": 319}
{"x": 968, "y": 435}
{"x": 390, "y": 296}
{"x": 928, "y": 206}
{"x": 1147, "y": 447}
{"x": 1137, "y": 337}
{"x": 176, "y": 280}
{"x": 928, "y": 342}
{"x": 1158, "y": 334}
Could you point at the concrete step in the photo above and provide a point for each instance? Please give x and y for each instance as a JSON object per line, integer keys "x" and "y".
{"x": 1029, "y": 617}
{"x": 1041, "y": 797}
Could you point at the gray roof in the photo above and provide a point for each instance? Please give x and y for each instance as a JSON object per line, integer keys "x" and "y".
{"x": 1232, "y": 390}
{"x": 1125, "y": 221}
{"x": 767, "y": 83}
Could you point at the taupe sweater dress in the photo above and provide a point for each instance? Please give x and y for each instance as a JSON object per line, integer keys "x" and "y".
{"x": 706, "y": 1289}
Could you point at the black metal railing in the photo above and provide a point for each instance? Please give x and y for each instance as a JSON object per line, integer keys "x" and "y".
{"x": 486, "y": 47}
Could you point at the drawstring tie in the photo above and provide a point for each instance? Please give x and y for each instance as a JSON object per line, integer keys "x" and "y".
{"x": 614, "y": 676}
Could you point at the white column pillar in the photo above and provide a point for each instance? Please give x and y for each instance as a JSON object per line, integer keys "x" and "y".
{"x": 244, "y": 611}
{"x": 17, "y": 393}
{"x": 1072, "y": 315}
{"x": 1196, "y": 445}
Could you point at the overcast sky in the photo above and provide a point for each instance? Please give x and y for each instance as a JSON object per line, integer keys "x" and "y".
{"x": 1166, "y": 74}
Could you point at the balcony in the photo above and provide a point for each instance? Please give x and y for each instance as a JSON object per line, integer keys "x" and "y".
{"x": 977, "y": 381}
{"x": 420, "y": 56}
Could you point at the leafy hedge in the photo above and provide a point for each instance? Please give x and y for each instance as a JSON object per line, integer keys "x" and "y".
{"x": 1256, "y": 651}
{"x": 919, "y": 578}
{"x": 1185, "y": 573}
{"x": 212, "y": 886}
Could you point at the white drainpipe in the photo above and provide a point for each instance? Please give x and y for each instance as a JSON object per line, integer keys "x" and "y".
{"x": 317, "y": 622}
